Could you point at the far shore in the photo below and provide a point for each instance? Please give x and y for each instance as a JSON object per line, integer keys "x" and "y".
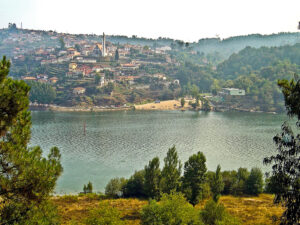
{"x": 168, "y": 105}
{"x": 162, "y": 105}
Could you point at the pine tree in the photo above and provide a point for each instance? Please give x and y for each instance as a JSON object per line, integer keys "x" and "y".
{"x": 171, "y": 172}
{"x": 286, "y": 163}
{"x": 217, "y": 184}
{"x": 152, "y": 179}
{"x": 26, "y": 178}
{"x": 194, "y": 177}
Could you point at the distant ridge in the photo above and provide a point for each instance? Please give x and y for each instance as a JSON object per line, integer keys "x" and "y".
{"x": 225, "y": 46}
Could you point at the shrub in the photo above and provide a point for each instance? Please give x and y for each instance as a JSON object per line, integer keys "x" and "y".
{"x": 135, "y": 185}
{"x": 173, "y": 209}
{"x": 104, "y": 215}
{"x": 215, "y": 214}
{"x": 114, "y": 188}
{"x": 255, "y": 182}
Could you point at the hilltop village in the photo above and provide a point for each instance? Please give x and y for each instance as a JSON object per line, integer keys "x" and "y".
{"x": 85, "y": 72}
{"x": 78, "y": 70}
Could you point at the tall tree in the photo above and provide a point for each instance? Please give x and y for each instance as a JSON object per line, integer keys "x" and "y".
{"x": 26, "y": 178}
{"x": 171, "y": 172}
{"x": 152, "y": 179}
{"x": 286, "y": 163}
{"x": 194, "y": 177}
{"x": 255, "y": 182}
{"x": 62, "y": 43}
{"x": 117, "y": 56}
{"x": 41, "y": 93}
{"x": 217, "y": 184}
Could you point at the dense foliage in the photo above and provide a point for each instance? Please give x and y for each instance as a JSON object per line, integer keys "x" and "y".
{"x": 172, "y": 209}
{"x": 104, "y": 215}
{"x": 286, "y": 162}
{"x": 41, "y": 92}
{"x": 26, "y": 178}
{"x": 194, "y": 177}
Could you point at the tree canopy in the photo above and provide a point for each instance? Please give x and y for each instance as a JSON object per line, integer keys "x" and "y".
{"x": 26, "y": 178}
{"x": 285, "y": 163}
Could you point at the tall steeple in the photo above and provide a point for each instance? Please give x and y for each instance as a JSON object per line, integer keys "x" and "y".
{"x": 103, "y": 45}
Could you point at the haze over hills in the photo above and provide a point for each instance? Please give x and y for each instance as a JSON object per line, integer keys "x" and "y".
{"x": 225, "y": 47}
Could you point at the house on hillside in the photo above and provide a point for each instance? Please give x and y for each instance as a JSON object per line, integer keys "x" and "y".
{"x": 231, "y": 92}
{"x": 79, "y": 90}
{"x": 53, "y": 80}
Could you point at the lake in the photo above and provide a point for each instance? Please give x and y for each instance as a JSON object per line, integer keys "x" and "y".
{"x": 115, "y": 144}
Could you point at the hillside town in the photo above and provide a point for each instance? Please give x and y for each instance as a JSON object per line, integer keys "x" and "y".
{"x": 84, "y": 71}
{"x": 89, "y": 71}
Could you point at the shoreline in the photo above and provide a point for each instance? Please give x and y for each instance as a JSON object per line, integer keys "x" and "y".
{"x": 168, "y": 105}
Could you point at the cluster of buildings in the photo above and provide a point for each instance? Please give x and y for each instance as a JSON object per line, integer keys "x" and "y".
{"x": 83, "y": 58}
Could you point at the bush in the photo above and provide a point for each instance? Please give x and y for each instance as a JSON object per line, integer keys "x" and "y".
{"x": 255, "y": 182}
{"x": 114, "y": 188}
{"x": 215, "y": 214}
{"x": 173, "y": 209}
{"x": 104, "y": 215}
{"x": 135, "y": 185}
{"x": 273, "y": 186}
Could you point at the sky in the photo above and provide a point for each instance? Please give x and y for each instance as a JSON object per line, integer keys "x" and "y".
{"x": 188, "y": 20}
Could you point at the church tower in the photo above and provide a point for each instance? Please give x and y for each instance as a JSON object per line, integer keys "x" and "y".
{"x": 103, "y": 45}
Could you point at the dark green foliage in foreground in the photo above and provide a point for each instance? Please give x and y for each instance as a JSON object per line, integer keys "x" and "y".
{"x": 240, "y": 188}
{"x": 13, "y": 98}
{"x": 27, "y": 178}
{"x": 217, "y": 184}
{"x": 255, "y": 182}
{"x": 152, "y": 179}
{"x": 194, "y": 177}
{"x": 285, "y": 163}
{"x": 41, "y": 93}
{"x": 291, "y": 93}
{"x": 171, "y": 172}
{"x": 135, "y": 185}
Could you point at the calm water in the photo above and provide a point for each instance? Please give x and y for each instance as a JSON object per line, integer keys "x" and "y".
{"x": 118, "y": 143}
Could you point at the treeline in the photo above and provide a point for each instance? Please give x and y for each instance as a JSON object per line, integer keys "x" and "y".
{"x": 195, "y": 184}
{"x": 41, "y": 92}
{"x": 178, "y": 188}
{"x": 252, "y": 59}
{"x": 254, "y": 70}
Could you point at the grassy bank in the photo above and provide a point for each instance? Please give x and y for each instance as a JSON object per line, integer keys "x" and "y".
{"x": 249, "y": 210}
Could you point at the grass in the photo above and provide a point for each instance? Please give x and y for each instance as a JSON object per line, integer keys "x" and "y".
{"x": 253, "y": 210}
{"x": 249, "y": 210}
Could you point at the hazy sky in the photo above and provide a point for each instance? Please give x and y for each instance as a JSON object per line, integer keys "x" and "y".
{"x": 188, "y": 20}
